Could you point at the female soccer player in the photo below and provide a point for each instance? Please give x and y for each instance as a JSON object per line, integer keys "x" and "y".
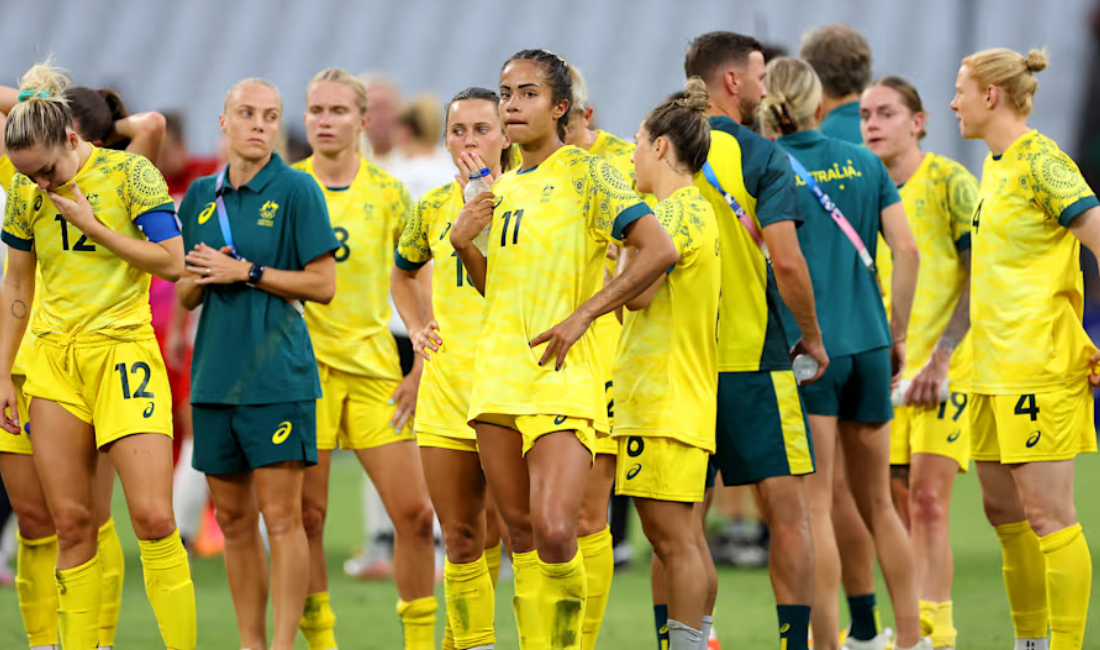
{"x": 535, "y": 408}
{"x": 666, "y": 367}
{"x": 95, "y": 368}
{"x": 260, "y": 243}
{"x": 448, "y": 341}
{"x": 367, "y": 406}
{"x": 1032, "y": 403}
{"x": 37, "y": 555}
{"x": 930, "y": 441}
{"x": 853, "y": 396}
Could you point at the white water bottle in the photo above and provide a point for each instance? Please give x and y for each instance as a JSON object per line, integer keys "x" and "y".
{"x": 898, "y": 396}
{"x": 478, "y": 185}
{"x": 804, "y": 367}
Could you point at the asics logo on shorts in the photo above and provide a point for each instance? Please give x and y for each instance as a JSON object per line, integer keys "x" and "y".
{"x": 1034, "y": 439}
{"x": 786, "y": 628}
{"x": 633, "y": 471}
{"x": 282, "y": 433}
{"x": 149, "y": 410}
{"x": 558, "y": 420}
{"x": 954, "y": 435}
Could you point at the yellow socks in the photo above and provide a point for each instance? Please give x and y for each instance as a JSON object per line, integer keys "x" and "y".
{"x": 1068, "y": 583}
{"x": 493, "y": 559}
{"x": 470, "y": 603}
{"x": 564, "y": 589}
{"x": 318, "y": 622}
{"x": 599, "y": 568}
{"x": 170, "y": 590}
{"x": 78, "y": 602}
{"x": 418, "y": 619}
{"x": 525, "y": 603}
{"x": 113, "y": 562}
{"x": 941, "y": 623}
{"x": 1025, "y": 581}
{"x": 37, "y": 591}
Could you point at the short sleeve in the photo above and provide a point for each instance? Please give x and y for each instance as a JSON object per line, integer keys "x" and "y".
{"x": 412, "y": 249}
{"x": 677, "y": 221}
{"x": 17, "y": 224}
{"x": 611, "y": 204}
{"x": 145, "y": 189}
{"x": 1060, "y": 189}
{"x": 778, "y": 197}
{"x": 961, "y": 196}
{"x": 313, "y": 236}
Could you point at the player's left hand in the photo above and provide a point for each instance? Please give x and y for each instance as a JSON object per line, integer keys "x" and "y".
{"x": 560, "y": 338}
{"x": 1094, "y": 369}
{"x": 405, "y": 398}
{"x": 76, "y": 210}
{"x": 212, "y": 266}
{"x": 897, "y": 361}
{"x": 924, "y": 390}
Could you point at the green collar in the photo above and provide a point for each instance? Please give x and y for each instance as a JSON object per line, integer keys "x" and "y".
{"x": 849, "y": 110}
{"x": 261, "y": 179}
{"x": 806, "y": 138}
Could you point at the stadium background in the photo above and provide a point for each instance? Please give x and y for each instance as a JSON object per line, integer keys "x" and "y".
{"x": 183, "y": 56}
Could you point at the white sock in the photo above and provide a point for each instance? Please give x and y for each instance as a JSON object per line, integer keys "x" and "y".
{"x": 189, "y": 493}
{"x": 1032, "y": 644}
{"x": 45, "y": 647}
{"x": 708, "y": 624}
{"x": 682, "y": 637}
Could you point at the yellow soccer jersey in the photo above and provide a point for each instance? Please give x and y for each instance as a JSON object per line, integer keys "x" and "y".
{"x": 547, "y": 246}
{"x": 666, "y": 370}
{"x": 455, "y": 301}
{"x": 939, "y": 202}
{"x": 1026, "y": 287}
{"x": 352, "y": 332}
{"x": 85, "y": 287}
{"x": 7, "y": 172}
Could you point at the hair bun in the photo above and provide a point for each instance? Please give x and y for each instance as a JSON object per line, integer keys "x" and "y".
{"x": 1037, "y": 60}
{"x": 695, "y": 95}
{"x": 43, "y": 81}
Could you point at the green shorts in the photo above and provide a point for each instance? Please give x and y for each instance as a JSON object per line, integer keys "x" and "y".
{"x": 762, "y": 429}
{"x": 232, "y": 438}
{"x": 854, "y": 388}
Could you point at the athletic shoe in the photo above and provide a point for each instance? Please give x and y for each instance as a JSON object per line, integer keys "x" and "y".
{"x": 924, "y": 644}
{"x": 884, "y": 641}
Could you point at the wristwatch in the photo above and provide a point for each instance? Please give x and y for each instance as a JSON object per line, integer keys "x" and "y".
{"x": 255, "y": 274}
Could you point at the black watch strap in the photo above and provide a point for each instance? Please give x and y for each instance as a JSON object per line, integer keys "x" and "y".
{"x": 255, "y": 274}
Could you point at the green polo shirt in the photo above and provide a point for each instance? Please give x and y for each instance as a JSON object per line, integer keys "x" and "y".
{"x": 849, "y": 303}
{"x": 843, "y": 122}
{"x": 252, "y": 346}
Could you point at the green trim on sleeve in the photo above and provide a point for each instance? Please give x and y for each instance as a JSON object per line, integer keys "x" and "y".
{"x": 1076, "y": 208}
{"x": 25, "y": 245}
{"x": 629, "y": 216}
{"x": 168, "y": 206}
{"x": 963, "y": 243}
{"x": 403, "y": 263}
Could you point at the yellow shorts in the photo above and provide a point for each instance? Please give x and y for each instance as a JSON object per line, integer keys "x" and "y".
{"x": 424, "y": 439}
{"x": 1049, "y": 426}
{"x": 533, "y": 427}
{"x": 119, "y": 387}
{"x": 663, "y": 469}
{"x": 942, "y": 431}
{"x": 20, "y": 444}
{"x": 607, "y": 444}
{"x": 354, "y": 411}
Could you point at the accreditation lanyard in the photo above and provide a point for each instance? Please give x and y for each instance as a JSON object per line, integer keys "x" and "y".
{"x": 223, "y": 217}
{"x": 834, "y": 212}
{"x": 744, "y": 218}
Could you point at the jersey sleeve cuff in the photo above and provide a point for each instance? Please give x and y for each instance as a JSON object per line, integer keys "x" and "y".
{"x": 404, "y": 263}
{"x": 158, "y": 225}
{"x": 963, "y": 243}
{"x": 167, "y": 206}
{"x": 17, "y": 243}
{"x": 627, "y": 217}
{"x": 1076, "y": 208}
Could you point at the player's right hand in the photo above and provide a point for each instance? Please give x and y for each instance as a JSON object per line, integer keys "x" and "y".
{"x": 473, "y": 218}
{"x": 9, "y": 407}
{"x": 816, "y": 349}
{"x": 427, "y": 339}
{"x": 470, "y": 162}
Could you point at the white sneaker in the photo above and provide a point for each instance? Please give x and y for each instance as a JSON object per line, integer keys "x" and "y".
{"x": 924, "y": 644}
{"x": 883, "y": 641}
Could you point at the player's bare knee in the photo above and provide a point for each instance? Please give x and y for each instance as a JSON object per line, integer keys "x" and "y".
{"x": 463, "y": 542}
{"x": 281, "y": 518}
{"x": 416, "y": 520}
{"x": 927, "y": 505}
{"x": 555, "y": 533}
{"x": 313, "y": 518}
{"x": 76, "y": 524}
{"x": 153, "y": 524}
{"x": 34, "y": 522}
{"x": 236, "y": 523}
{"x": 1051, "y": 518}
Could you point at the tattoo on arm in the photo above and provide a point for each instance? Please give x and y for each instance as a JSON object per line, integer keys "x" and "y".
{"x": 19, "y": 309}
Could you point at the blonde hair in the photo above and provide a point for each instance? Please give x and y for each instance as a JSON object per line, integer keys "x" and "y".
{"x": 794, "y": 94}
{"x": 423, "y": 115}
{"x": 336, "y": 75}
{"x": 1010, "y": 71}
{"x": 251, "y": 81}
{"x": 42, "y": 115}
{"x": 580, "y": 92}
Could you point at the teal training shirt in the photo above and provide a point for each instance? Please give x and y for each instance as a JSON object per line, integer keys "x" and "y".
{"x": 843, "y": 123}
{"x": 847, "y": 295}
{"x": 252, "y": 346}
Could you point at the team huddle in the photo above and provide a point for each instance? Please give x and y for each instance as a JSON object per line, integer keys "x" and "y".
{"x": 774, "y": 285}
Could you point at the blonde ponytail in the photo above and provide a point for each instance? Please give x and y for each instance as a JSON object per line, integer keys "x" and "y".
{"x": 42, "y": 115}
{"x": 1010, "y": 71}
{"x": 794, "y": 94}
